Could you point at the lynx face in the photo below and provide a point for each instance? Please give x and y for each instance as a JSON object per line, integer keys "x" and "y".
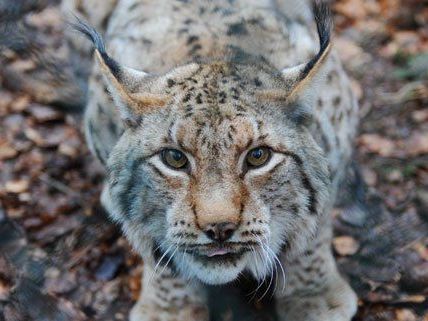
{"x": 221, "y": 178}
{"x": 216, "y": 170}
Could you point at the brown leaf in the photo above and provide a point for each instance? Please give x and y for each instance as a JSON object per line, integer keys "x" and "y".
{"x": 375, "y": 143}
{"x": 5, "y": 101}
{"x": 351, "y": 9}
{"x": 420, "y": 116}
{"x": 417, "y": 144}
{"x": 345, "y": 245}
{"x": 23, "y": 65}
{"x": 405, "y": 315}
{"x": 370, "y": 176}
{"x": 394, "y": 176}
{"x": 34, "y": 136}
{"x": 17, "y": 186}
{"x": 134, "y": 282}
{"x": 7, "y": 151}
{"x": 20, "y": 104}
{"x": 61, "y": 226}
{"x": 49, "y": 136}
{"x": 7, "y": 278}
{"x": 59, "y": 282}
{"x": 351, "y": 54}
{"x": 44, "y": 113}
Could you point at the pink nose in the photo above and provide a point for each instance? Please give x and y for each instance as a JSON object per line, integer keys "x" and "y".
{"x": 220, "y": 232}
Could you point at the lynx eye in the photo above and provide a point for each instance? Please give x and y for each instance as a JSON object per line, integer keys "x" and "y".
{"x": 174, "y": 158}
{"x": 258, "y": 156}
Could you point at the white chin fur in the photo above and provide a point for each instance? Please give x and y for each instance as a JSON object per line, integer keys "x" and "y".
{"x": 212, "y": 274}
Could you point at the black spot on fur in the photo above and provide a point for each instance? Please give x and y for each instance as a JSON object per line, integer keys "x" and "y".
{"x": 336, "y": 101}
{"x": 134, "y": 6}
{"x": 237, "y": 29}
{"x": 294, "y": 208}
{"x": 257, "y": 82}
{"x": 198, "y": 98}
{"x": 170, "y": 83}
{"x": 112, "y": 126}
{"x": 187, "y": 97}
{"x": 194, "y": 49}
{"x": 192, "y": 39}
{"x": 222, "y": 97}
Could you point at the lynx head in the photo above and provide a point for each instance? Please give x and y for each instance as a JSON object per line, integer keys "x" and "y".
{"x": 216, "y": 169}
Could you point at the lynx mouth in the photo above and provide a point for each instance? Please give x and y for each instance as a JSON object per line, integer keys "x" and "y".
{"x": 220, "y": 256}
{"x": 216, "y": 263}
{"x": 219, "y": 253}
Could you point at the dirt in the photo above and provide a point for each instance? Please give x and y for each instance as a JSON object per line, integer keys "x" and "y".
{"x": 61, "y": 258}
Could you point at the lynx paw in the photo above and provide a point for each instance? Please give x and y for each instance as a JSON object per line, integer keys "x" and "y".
{"x": 337, "y": 303}
{"x": 141, "y": 312}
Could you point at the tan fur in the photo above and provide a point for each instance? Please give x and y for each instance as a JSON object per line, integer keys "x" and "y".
{"x": 140, "y": 103}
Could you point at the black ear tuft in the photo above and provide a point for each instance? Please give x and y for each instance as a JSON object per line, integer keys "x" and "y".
{"x": 90, "y": 33}
{"x": 98, "y": 43}
{"x": 324, "y": 23}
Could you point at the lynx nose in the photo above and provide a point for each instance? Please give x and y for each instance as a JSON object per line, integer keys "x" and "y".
{"x": 220, "y": 232}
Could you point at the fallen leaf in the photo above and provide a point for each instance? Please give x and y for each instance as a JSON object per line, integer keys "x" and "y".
{"x": 4, "y": 290}
{"x": 420, "y": 116}
{"x": 68, "y": 150}
{"x": 109, "y": 267}
{"x": 352, "y": 55}
{"x": 356, "y": 89}
{"x": 405, "y": 315}
{"x": 370, "y": 176}
{"x": 375, "y": 143}
{"x": 59, "y": 282}
{"x": 5, "y": 101}
{"x": 134, "y": 282}
{"x": 44, "y": 113}
{"x": 34, "y": 136}
{"x": 15, "y": 213}
{"x": 7, "y": 151}
{"x": 23, "y": 65}
{"x": 17, "y": 186}
{"x": 352, "y": 9}
{"x": 7, "y": 278}
{"x": 394, "y": 176}
{"x": 417, "y": 144}
{"x": 20, "y": 104}
{"x": 345, "y": 245}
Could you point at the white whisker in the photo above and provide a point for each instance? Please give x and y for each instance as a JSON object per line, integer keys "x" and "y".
{"x": 162, "y": 257}
{"x": 172, "y": 255}
{"x": 264, "y": 256}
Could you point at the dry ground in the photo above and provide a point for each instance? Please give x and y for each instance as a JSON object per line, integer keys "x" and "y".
{"x": 61, "y": 259}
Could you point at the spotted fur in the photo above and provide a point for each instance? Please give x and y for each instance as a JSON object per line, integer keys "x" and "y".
{"x": 215, "y": 79}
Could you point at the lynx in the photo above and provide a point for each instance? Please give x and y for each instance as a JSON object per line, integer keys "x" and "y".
{"x": 225, "y": 128}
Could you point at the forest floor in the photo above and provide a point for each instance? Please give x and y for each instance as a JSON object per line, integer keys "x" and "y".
{"x": 62, "y": 259}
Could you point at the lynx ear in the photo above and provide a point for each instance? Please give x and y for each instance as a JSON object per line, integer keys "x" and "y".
{"x": 124, "y": 83}
{"x": 300, "y": 76}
